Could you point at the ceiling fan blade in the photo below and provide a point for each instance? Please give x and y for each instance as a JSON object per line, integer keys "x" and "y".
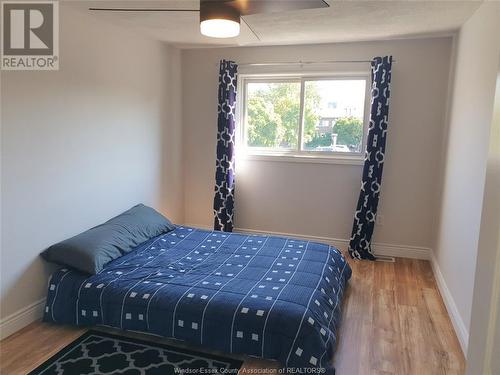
{"x": 244, "y": 7}
{"x": 247, "y": 7}
{"x": 142, "y": 10}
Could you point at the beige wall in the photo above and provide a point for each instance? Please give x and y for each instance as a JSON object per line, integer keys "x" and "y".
{"x": 484, "y": 339}
{"x": 494, "y": 342}
{"x": 83, "y": 144}
{"x": 456, "y": 248}
{"x": 319, "y": 199}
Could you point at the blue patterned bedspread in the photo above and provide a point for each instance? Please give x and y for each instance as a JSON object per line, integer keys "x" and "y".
{"x": 270, "y": 297}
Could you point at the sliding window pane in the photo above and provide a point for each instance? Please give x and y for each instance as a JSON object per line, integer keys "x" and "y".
{"x": 273, "y": 113}
{"x": 333, "y": 116}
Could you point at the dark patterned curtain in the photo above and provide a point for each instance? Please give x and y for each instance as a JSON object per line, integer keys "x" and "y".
{"x": 224, "y": 174}
{"x": 366, "y": 210}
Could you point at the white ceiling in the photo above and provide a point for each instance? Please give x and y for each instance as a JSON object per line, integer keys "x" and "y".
{"x": 343, "y": 21}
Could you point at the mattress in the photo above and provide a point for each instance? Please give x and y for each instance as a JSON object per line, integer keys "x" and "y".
{"x": 265, "y": 296}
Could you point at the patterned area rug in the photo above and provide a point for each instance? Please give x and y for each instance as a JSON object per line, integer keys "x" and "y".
{"x": 103, "y": 353}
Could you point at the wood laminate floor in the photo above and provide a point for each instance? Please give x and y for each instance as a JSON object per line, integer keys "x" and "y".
{"x": 394, "y": 322}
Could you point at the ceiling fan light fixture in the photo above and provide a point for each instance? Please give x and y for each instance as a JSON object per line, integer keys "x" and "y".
{"x": 220, "y": 28}
{"x": 218, "y": 19}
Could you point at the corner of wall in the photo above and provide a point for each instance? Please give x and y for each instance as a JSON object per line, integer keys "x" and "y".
{"x": 172, "y": 197}
{"x": 456, "y": 319}
{"x": 444, "y": 146}
{"x": 459, "y": 326}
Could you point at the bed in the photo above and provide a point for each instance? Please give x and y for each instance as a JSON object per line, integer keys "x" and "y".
{"x": 270, "y": 297}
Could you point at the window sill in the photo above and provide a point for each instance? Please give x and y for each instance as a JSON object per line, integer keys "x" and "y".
{"x": 311, "y": 159}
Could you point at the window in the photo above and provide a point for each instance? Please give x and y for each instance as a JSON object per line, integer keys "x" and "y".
{"x": 304, "y": 116}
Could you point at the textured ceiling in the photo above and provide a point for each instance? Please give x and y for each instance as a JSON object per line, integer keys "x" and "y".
{"x": 343, "y": 21}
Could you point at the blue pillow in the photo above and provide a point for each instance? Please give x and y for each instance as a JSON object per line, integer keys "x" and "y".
{"x": 91, "y": 250}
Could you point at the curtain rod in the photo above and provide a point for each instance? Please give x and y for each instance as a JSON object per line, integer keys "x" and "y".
{"x": 306, "y": 62}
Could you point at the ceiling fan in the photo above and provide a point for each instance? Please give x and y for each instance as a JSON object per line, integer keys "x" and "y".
{"x": 221, "y": 18}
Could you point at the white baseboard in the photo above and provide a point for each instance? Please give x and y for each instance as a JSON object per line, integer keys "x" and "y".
{"x": 458, "y": 324}
{"x": 399, "y": 251}
{"x": 21, "y": 318}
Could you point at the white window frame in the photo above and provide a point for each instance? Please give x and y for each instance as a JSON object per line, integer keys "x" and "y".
{"x": 298, "y": 154}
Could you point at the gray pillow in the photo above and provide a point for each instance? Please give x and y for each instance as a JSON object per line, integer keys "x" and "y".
{"x": 91, "y": 250}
